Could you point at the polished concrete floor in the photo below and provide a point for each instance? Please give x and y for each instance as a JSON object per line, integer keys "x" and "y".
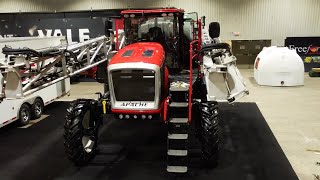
{"x": 291, "y": 112}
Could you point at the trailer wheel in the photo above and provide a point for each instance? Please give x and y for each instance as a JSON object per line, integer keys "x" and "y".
{"x": 81, "y": 131}
{"x": 37, "y": 108}
{"x": 209, "y": 130}
{"x": 24, "y": 115}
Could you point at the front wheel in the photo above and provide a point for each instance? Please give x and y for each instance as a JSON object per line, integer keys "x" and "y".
{"x": 24, "y": 115}
{"x": 81, "y": 131}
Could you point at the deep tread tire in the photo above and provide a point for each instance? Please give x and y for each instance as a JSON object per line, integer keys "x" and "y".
{"x": 24, "y": 115}
{"x": 74, "y": 130}
{"x": 209, "y": 133}
{"x": 37, "y": 106}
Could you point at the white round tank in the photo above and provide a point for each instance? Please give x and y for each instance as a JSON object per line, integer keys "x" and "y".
{"x": 279, "y": 66}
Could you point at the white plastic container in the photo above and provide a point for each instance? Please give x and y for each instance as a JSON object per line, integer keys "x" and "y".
{"x": 279, "y": 66}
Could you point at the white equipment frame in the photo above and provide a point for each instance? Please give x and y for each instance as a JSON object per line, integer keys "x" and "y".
{"x": 17, "y": 90}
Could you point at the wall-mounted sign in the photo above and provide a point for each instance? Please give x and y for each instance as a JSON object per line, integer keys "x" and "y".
{"x": 75, "y": 29}
{"x": 76, "y": 26}
{"x": 304, "y": 45}
{"x": 308, "y": 48}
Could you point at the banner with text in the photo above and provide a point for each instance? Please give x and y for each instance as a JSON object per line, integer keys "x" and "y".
{"x": 308, "y": 48}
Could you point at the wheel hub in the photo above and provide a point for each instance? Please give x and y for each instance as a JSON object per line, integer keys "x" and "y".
{"x": 38, "y": 110}
{"x": 87, "y": 142}
{"x": 25, "y": 115}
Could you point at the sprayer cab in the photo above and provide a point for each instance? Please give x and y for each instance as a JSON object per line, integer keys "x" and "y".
{"x": 164, "y": 26}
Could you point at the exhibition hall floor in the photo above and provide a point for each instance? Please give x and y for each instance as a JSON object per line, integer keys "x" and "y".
{"x": 292, "y": 114}
{"x": 136, "y": 149}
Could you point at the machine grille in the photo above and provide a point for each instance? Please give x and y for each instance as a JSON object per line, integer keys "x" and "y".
{"x": 134, "y": 85}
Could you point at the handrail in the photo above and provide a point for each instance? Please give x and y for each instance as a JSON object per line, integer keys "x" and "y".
{"x": 192, "y": 56}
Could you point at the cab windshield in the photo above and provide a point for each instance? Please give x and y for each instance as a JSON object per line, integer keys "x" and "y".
{"x": 160, "y": 29}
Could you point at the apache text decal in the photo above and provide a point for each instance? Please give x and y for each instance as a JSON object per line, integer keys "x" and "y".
{"x": 134, "y": 104}
{"x": 6, "y": 36}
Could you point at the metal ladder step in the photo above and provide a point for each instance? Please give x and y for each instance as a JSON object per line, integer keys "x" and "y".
{"x": 177, "y": 169}
{"x": 179, "y": 88}
{"x": 178, "y": 120}
{"x": 178, "y": 104}
{"x": 172, "y": 152}
{"x": 178, "y": 136}
{"x": 177, "y": 144}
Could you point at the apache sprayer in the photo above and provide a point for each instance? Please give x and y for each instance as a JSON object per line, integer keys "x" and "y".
{"x": 169, "y": 67}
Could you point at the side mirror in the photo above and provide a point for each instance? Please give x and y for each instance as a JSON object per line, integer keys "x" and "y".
{"x": 101, "y": 73}
{"x": 108, "y": 27}
{"x": 203, "y": 20}
{"x": 214, "y": 30}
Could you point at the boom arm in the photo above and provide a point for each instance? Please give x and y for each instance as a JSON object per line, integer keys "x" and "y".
{"x": 67, "y": 61}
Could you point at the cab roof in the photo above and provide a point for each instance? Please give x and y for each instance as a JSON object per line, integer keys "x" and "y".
{"x": 143, "y": 52}
{"x": 153, "y": 11}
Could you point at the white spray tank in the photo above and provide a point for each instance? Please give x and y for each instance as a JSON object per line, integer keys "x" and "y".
{"x": 279, "y": 66}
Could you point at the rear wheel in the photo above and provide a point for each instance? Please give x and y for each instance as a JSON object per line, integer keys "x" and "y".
{"x": 208, "y": 132}
{"x": 24, "y": 115}
{"x": 81, "y": 131}
{"x": 37, "y": 108}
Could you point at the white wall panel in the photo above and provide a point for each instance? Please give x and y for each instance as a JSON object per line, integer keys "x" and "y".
{"x": 254, "y": 19}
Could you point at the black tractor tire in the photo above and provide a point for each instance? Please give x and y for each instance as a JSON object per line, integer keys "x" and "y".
{"x": 37, "y": 108}
{"x": 81, "y": 131}
{"x": 24, "y": 115}
{"x": 209, "y": 133}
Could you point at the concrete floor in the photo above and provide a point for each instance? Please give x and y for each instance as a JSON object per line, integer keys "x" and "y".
{"x": 291, "y": 112}
{"x": 293, "y": 115}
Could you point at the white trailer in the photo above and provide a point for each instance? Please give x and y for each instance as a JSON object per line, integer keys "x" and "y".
{"x": 31, "y": 106}
{"x": 29, "y": 82}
